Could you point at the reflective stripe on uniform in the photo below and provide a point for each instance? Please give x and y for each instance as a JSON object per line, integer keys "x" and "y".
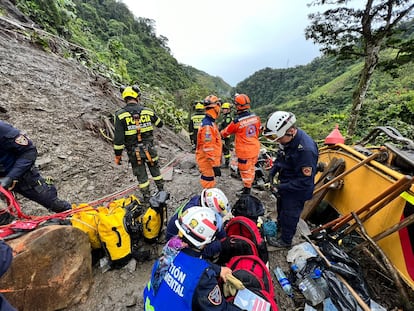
{"x": 144, "y": 185}
{"x": 119, "y": 147}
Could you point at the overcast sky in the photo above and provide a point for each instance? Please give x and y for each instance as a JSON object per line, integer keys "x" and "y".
{"x": 232, "y": 39}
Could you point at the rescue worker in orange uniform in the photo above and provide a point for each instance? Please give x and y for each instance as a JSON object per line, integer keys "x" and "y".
{"x": 246, "y": 129}
{"x": 209, "y": 145}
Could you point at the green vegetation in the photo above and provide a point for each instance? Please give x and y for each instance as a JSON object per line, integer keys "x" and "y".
{"x": 124, "y": 48}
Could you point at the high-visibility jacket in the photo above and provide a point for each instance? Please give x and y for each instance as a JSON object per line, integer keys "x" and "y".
{"x": 246, "y": 128}
{"x": 125, "y": 134}
{"x": 194, "y": 125}
{"x": 209, "y": 144}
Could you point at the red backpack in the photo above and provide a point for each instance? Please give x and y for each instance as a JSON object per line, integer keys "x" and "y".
{"x": 237, "y": 245}
{"x": 243, "y": 226}
{"x": 255, "y": 276}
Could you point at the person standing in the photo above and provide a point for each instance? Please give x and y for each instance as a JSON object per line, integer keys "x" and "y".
{"x": 180, "y": 278}
{"x": 246, "y": 128}
{"x": 209, "y": 144}
{"x": 227, "y": 118}
{"x": 195, "y": 122}
{"x": 295, "y": 166}
{"x": 134, "y": 131}
{"x": 19, "y": 173}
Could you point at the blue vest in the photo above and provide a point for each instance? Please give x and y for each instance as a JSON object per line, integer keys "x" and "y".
{"x": 178, "y": 286}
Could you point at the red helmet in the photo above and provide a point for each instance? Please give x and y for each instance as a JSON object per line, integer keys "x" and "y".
{"x": 242, "y": 102}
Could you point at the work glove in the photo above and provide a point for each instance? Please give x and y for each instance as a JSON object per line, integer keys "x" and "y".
{"x": 118, "y": 160}
{"x": 232, "y": 285}
{"x": 217, "y": 171}
{"x": 7, "y": 183}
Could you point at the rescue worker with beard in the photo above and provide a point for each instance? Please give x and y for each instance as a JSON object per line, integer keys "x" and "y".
{"x": 246, "y": 129}
{"x": 18, "y": 172}
{"x": 209, "y": 144}
{"x": 134, "y": 131}
{"x": 227, "y": 118}
{"x": 295, "y": 166}
{"x": 195, "y": 122}
{"x": 180, "y": 278}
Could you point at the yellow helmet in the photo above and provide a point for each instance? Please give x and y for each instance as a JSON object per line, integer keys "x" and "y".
{"x": 131, "y": 91}
{"x": 226, "y": 105}
{"x": 199, "y": 106}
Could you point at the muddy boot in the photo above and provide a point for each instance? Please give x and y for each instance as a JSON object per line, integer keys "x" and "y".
{"x": 146, "y": 195}
{"x": 226, "y": 163}
{"x": 59, "y": 205}
{"x": 160, "y": 185}
{"x": 244, "y": 191}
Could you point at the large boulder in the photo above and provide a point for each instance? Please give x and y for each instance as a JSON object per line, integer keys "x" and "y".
{"x": 51, "y": 269}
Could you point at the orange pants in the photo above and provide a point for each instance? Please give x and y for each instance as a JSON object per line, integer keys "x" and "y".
{"x": 207, "y": 179}
{"x": 247, "y": 170}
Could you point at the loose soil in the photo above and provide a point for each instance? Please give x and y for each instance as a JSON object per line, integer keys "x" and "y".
{"x": 60, "y": 104}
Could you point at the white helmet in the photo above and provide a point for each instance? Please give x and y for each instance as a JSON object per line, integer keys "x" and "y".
{"x": 198, "y": 225}
{"x": 277, "y": 124}
{"x": 215, "y": 199}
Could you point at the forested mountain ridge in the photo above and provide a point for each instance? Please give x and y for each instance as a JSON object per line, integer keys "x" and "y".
{"x": 120, "y": 46}
{"x": 319, "y": 93}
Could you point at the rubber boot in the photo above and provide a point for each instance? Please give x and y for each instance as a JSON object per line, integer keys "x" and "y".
{"x": 146, "y": 195}
{"x": 59, "y": 205}
{"x": 160, "y": 185}
{"x": 226, "y": 163}
{"x": 246, "y": 190}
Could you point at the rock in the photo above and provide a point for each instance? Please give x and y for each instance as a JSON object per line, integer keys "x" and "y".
{"x": 51, "y": 269}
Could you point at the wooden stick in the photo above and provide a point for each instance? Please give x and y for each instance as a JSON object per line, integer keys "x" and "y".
{"x": 397, "y": 227}
{"x": 346, "y": 218}
{"x": 386, "y": 261}
{"x": 379, "y": 205}
{"x": 354, "y": 294}
{"x": 340, "y": 176}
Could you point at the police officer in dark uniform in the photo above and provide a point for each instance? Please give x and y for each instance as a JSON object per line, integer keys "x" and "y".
{"x": 295, "y": 165}
{"x": 134, "y": 127}
{"x": 180, "y": 279}
{"x": 226, "y": 120}
{"x": 19, "y": 173}
{"x": 6, "y": 257}
{"x": 195, "y": 122}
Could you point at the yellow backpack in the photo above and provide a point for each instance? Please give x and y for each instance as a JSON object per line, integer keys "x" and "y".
{"x": 152, "y": 220}
{"x": 86, "y": 220}
{"x": 115, "y": 239}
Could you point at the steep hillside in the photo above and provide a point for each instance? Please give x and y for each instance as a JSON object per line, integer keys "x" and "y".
{"x": 61, "y": 104}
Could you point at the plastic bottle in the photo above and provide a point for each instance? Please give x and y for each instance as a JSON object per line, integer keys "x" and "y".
{"x": 320, "y": 281}
{"x": 308, "y": 287}
{"x": 283, "y": 281}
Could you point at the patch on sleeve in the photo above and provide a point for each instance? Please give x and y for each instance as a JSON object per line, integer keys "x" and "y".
{"x": 215, "y": 296}
{"x": 208, "y": 136}
{"x": 21, "y": 140}
{"x": 307, "y": 170}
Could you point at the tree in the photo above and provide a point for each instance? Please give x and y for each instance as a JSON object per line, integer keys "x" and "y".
{"x": 349, "y": 31}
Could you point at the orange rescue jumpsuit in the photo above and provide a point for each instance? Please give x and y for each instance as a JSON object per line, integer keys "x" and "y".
{"x": 246, "y": 128}
{"x": 209, "y": 147}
